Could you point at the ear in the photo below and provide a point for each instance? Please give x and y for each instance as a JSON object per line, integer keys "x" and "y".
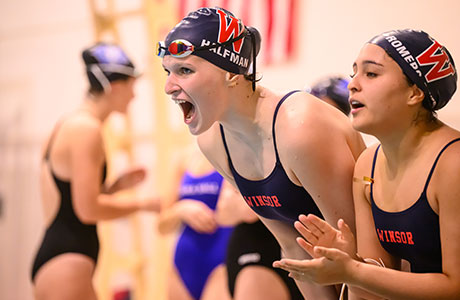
{"x": 231, "y": 79}
{"x": 416, "y": 95}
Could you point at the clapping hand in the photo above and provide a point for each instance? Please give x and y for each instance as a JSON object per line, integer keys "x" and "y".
{"x": 332, "y": 251}
{"x": 317, "y": 232}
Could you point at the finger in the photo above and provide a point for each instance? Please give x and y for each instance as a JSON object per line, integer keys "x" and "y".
{"x": 306, "y": 246}
{"x": 204, "y": 228}
{"x": 322, "y": 225}
{"x": 345, "y": 230}
{"x": 276, "y": 264}
{"x": 200, "y": 223}
{"x": 300, "y": 266}
{"x": 285, "y": 265}
{"x": 313, "y": 228}
{"x": 329, "y": 253}
{"x": 303, "y": 218}
{"x": 208, "y": 223}
{"x": 307, "y": 234}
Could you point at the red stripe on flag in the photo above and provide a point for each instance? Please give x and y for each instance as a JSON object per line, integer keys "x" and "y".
{"x": 245, "y": 16}
{"x": 276, "y": 21}
{"x": 225, "y": 4}
{"x": 181, "y": 9}
{"x": 291, "y": 29}
{"x": 268, "y": 50}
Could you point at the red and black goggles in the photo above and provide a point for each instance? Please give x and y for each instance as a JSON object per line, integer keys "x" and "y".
{"x": 183, "y": 48}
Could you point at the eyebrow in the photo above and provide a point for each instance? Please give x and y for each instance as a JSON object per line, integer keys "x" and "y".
{"x": 179, "y": 64}
{"x": 369, "y": 62}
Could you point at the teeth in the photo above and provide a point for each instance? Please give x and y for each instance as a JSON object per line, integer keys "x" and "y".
{"x": 179, "y": 101}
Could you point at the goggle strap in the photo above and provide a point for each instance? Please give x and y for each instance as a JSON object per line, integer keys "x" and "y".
{"x": 97, "y": 72}
{"x": 120, "y": 69}
{"x": 253, "y": 60}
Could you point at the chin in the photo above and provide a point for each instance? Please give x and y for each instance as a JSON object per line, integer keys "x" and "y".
{"x": 198, "y": 127}
{"x": 359, "y": 126}
{"x": 194, "y": 130}
{"x": 364, "y": 128}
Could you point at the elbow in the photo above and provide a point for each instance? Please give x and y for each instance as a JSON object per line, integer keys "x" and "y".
{"x": 86, "y": 216}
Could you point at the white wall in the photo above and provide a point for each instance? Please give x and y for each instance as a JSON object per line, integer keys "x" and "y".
{"x": 41, "y": 77}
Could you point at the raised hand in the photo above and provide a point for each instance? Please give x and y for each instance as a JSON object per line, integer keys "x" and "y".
{"x": 317, "y": 232}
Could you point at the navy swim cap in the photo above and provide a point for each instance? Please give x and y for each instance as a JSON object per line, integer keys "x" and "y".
{"x": 335, "y": 88}
{"x": 424, "y": 61}
{"x": 106, "y": 63}
{"x": 206, "y": 27}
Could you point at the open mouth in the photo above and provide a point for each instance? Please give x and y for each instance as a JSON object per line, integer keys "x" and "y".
{"x": 187, "y": 108}
{"x": 356, "y": 104}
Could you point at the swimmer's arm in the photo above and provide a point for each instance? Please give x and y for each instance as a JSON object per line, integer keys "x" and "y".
{"x": 368, "y": 245}
{"x": 86, "y": 160}
{"x": 316, "y": 151}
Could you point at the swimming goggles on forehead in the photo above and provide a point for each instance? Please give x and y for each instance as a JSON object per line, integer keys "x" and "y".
{"x": 183, "y": 48}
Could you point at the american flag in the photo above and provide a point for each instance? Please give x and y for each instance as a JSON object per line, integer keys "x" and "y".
{"x": 276, "y": 21}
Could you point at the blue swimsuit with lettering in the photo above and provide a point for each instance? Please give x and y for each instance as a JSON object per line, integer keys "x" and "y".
{"x": 198, "y": 254}
{"x": 412, "y": 234}
{"x": 275, "y": 197}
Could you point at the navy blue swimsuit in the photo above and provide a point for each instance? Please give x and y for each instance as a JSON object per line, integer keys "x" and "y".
{"x": 198, "y": 254}
{"x": 412, "y": 234}
{"x": 275, "y": 197}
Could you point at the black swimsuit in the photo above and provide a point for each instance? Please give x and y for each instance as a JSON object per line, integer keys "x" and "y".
{"x": 66, "y": 234}
{"x": 252, "y": 244}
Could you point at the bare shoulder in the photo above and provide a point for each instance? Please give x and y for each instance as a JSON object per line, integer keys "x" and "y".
{"x": 84, "y": 132}
{"x": 82, "y": 123}
{"x": 305, "y": 123}
{"x": 363, "y": 165}
{"x": 446, "y": 171}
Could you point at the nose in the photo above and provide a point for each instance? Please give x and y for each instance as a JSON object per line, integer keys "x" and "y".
{"x": 353, "y": 85}
{"x": 171, "y": 86}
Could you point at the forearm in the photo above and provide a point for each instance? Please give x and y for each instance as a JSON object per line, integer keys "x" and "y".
{"x": 286, "y": 237}
{"x": 109, "y": 207}
{"x": 169, "y": 219}
{"x": 109, "y": 188}
{"x": 393, "y": 284}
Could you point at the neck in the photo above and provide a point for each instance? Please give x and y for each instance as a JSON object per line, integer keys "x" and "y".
{"x": 243, "y": 115}
{"x": 96, "y": 106}
{"x": 400, "y": 148}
